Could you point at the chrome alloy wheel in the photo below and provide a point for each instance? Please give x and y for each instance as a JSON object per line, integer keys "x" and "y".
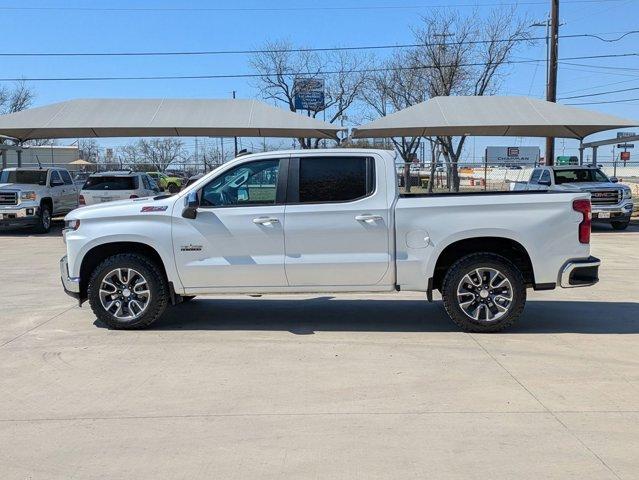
{"x": 124, "y": 293}
{"x": 46, "y": 218}
{"x": 485, "y": 294}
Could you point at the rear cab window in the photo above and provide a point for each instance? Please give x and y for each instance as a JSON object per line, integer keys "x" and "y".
{"x": 115, "y": 182}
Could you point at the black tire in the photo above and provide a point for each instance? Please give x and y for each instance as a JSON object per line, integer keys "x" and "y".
{"x": 468, "y": 265}
{"x": 157, "y": 286}
{"x": 173, "y": 188}
{"x": 44, "y": 220}
{"x": 620, "y": 225}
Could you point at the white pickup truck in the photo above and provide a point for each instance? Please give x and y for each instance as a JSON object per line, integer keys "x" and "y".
{"x": 325, "y": 221}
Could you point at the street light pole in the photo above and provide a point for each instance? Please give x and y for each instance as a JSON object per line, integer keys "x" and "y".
{"x": 551, "y": 89}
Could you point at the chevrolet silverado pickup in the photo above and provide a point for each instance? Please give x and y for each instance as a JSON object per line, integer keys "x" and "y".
{"x": 325, "y": 221}
{"x": 611, "y": 201}
{"x": 32, "y": 196}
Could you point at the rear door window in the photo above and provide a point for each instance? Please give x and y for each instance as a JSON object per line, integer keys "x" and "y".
{"x": 335, "y": 179}
{"x": 111, "y": 183}
{"x": 66, "y": 177}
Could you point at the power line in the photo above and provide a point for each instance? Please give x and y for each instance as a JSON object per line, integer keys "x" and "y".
{"x": 297, "y": 50}
{"x": 266, "y": 75}
{"x": 600, "y": 93}
{"x": 605, "y": 101}
{"x": 287, "y": 9}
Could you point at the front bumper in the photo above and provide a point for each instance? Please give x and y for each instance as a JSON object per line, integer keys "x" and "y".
{"x": 580, "y": 273}
{"x": 22, "y": 215}
{"x": 71, "y": 285}
{"x": 613, "y": 213}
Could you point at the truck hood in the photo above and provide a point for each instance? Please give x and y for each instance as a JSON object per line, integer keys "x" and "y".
{"x": 121, "y": 208}
{"x": 20, "y": 186}
{"x": 588, "y": 186}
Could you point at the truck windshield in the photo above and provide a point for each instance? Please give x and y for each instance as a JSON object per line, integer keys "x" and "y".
{"x": 29, "y": 177}
{"x": 110, "y": 183}
{"x": 579, "y": 175}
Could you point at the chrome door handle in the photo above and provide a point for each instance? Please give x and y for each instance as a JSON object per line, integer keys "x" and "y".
{"x": 265, "y": 220}
{"x": 368, "y": 218}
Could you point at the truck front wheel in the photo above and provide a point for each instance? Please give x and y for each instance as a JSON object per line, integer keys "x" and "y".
{"x": 128, "y": 291}
{"x": 44, "y": 220}
{"x": 484, "y": 292}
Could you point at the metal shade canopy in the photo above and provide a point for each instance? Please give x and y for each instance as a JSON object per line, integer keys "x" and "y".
{"x": 86, "y": 118}
{"x": 491, "y": 116}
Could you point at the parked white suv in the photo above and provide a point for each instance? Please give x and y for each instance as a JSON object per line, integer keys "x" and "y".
{"x": 32, "y": 196}
{"x": 326, "y": 221}
{"x": 121, "y": 185}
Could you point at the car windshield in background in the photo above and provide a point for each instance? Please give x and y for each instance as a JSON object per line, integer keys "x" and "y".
{"x": 579, "y": 175}
{"x": 110, "y": 183}
{"x": 30, "y": 177}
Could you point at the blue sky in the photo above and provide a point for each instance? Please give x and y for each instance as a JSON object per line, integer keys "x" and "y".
{"x": 72, "y": 30}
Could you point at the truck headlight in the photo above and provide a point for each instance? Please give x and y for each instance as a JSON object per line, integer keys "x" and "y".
{"x": 27, "y": 195}
{"x": 627, "y": 193}
{"x": 72, "y": 224}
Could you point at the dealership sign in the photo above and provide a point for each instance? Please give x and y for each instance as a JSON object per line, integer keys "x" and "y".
{"x": 512, "y": 155}
{"x": 309, "y": 93}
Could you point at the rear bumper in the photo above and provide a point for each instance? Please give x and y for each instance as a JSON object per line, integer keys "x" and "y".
{"x": 580, "y": 273}
{"x": 71, "y": 285}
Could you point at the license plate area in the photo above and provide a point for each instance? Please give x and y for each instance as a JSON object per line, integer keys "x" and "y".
{"x": 602, "y": 215}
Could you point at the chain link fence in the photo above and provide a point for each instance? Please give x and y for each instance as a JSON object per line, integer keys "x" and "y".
{"x": 476, "y": 177}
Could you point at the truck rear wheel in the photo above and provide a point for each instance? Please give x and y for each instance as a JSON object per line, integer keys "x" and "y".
{"x": 484, "y": 292}
{"x": 128, "y": 291}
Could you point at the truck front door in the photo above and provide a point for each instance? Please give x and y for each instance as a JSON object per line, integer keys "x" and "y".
{"x": 237, "y": 238}
{"x": 337, "y": 222}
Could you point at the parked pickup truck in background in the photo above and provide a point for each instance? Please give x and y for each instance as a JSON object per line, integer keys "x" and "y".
{"x": 611, "y": 202}
{"x": 32, "y": 196}
{"x": 325, "y": 221}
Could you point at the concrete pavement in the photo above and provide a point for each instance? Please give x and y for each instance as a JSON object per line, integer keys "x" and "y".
{"x": 350, "y": 386}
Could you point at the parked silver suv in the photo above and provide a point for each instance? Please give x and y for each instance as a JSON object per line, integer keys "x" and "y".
{"x": 32, "y": 196}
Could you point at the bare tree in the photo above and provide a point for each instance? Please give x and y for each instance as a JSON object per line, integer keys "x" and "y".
{"x": 88, "y": 149}
{"x": 457, "y": 64}
{"x": 392, "y": 87}
{"x": 343, "y": 72}
{"x": 16, "y": 99}
{"x": 159, "y": 153}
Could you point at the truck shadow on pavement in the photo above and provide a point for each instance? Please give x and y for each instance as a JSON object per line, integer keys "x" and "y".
{"x": 307, "y": 316}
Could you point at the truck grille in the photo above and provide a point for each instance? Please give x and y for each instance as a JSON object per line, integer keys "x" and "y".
{"x": 605, "y": 197}
{"x": 8, "y": 198}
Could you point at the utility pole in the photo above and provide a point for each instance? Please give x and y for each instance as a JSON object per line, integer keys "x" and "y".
{"x": 235, "y": 138}
{"x": 551, "y": 88}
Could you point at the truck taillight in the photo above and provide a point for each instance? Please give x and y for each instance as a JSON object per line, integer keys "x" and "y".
{"x": 133, "y": 196}
{"x": 583, "y": 207}
{"x": 81, "y": 200}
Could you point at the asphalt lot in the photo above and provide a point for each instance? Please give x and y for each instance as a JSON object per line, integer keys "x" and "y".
{"x": 347, "y": 387}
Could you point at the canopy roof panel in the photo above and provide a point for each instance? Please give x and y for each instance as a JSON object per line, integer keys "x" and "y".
{"x": 85, "y": 118}
{"x": 491, "y": 116}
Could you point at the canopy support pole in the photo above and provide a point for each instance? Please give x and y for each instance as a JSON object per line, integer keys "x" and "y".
{"x": 594, "y": 155}
{"x": 581, "y": 152}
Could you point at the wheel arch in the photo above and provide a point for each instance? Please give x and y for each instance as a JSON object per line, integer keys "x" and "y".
{"x": 506, "y": 247}
{"x": 93, "y": 257}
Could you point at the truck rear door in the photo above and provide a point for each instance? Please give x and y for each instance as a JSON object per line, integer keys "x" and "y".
{"x": 336, "y": 221}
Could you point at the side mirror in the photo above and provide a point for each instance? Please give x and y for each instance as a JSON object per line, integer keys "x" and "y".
{"x": 545, "y": 183}
{"x": 191, "y": 203}
{"x": 56, "y": 183}
{"x": 614, "y": 179}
